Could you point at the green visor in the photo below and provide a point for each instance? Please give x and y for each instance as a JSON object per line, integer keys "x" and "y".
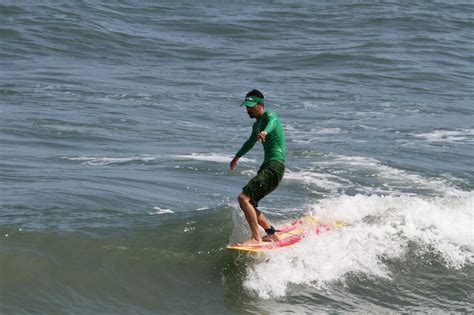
{"x": 251, "y": 101}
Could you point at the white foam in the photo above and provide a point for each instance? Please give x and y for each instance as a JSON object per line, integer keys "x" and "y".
{"x": 390, "y": 180}
{"x": 448, "y": 136}
{"x": 210, "y": 157}
{"x": 249, "y": 173}
{"x": 99, "y": 161}
{"x": 299, "y": 134}
{"x": 337, "y": 174}
{"x": 381, "y": 228}
{"x": 308, "y": 104}
{"x": 326, "y": 131}
{"x": 365, "y": 127}
{"x": 159, "y": 210}
{"x": 322, "y": 180}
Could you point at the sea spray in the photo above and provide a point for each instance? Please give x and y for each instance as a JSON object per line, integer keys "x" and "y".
{"x": 379, "y": 229}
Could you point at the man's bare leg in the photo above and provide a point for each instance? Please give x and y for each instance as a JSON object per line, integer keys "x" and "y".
{"x": 251, "y": 216}
{"x": 263, "y": 222}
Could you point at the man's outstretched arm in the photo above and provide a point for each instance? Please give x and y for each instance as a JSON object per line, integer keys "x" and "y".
{"x": 245, "y": 148}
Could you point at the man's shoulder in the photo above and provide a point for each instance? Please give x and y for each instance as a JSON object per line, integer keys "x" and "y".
{"x": 270, "y": 113}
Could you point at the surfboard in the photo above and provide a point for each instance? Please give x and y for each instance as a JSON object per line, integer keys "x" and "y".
{"x": 290, "y": 234}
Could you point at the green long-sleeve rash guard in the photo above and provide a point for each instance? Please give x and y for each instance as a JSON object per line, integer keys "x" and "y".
{"x": 274, "y": 145}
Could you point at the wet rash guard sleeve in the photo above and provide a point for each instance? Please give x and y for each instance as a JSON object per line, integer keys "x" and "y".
{"x": 247, "y": 145}
{"x": 271, "y": 122}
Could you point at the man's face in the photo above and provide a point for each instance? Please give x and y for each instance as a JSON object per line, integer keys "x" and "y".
{"x": 254, "y": 112}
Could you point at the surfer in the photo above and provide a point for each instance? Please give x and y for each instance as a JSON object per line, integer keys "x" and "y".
{"x": 267, "y": 130}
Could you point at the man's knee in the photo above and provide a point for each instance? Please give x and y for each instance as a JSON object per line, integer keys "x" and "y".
{"x": 243, "y": 198}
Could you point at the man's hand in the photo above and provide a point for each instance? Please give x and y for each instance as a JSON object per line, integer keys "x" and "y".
{"x": 233, "y": 163}
{"x": 261, "y": 136}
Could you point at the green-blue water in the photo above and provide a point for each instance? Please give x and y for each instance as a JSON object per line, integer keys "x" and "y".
{"x": 118, "y": 121}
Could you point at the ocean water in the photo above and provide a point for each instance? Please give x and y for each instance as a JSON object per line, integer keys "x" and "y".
{"x": 118, "y": 121}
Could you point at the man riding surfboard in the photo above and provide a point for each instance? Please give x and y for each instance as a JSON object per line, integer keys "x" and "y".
{"x": 267, "y": 130}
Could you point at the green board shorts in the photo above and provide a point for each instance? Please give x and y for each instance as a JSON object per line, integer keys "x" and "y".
{"x": 267, "y": 179}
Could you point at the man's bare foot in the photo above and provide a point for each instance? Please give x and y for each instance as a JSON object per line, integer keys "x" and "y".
{"x": 251, "y": 242}
{"x": 271, "y": 238}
